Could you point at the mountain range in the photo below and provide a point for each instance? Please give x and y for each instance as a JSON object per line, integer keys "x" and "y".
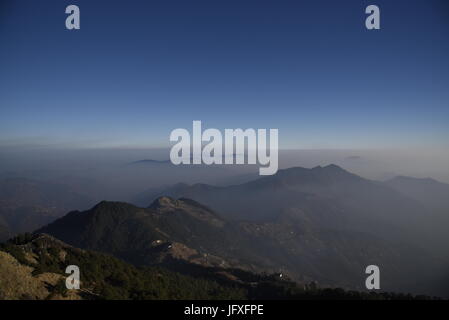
{"x": 27, "y": 204}
{"x": 327, "y": 196}
{"x": 428, "y": 191}
{"x": 322, "y": 224}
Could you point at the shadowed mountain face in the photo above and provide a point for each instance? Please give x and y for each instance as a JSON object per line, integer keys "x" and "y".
{"x": 434, "y": 196}
{"x": 326, "y": 196}
{"x": 183, "y": 230}
{"x": 134, "y": 233}
{"x": 265, "y": 198}
{"x": 26, "y": 204}
{"x": 29, "y": 192}
{"x": 142, "y": 235}
{"x": 331, "y": 198}
{"x": 429, "y": 192}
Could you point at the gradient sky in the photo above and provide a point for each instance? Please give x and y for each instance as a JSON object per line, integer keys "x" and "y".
{"x": 138, "y": 69}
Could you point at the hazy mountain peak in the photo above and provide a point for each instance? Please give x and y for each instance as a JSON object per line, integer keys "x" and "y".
{"x": 413, "y": 179}
{"x": 164, "y": 202}
{"x": 330, "y": 168}
{"x": 428, "y": 191}
{"x": 333, "y": 166}
{"x": 300, "y": 175}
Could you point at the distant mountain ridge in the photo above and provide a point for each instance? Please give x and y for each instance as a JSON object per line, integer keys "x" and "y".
{"x": 328, "y": 197}
{"x": 428, "y": 191}
{"x": 170, "y": 231}
{"x": 331, "y": 186}
{"x": 27, "y": 204}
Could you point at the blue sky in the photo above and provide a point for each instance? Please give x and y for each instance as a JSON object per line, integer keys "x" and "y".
{"x": 138, "y": 69}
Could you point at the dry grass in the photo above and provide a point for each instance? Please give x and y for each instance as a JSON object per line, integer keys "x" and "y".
{"x": 17, "y": 282}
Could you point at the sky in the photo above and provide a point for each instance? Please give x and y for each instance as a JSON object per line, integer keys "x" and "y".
{"x": 136, "y": 70}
